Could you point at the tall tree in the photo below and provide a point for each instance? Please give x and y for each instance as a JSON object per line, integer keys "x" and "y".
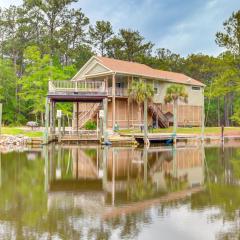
{"x": 142, "y": 92}
{"x": 130, "y": 45}
{"x": 54, "y": 11}
{"x": 7, "y": 91}
{"x": 100, "y": 34}
{"x": 35, "y": 80}
{"x": 230, "y": 37}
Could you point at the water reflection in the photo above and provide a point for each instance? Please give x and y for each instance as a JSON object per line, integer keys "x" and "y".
{"x": 95, "y": 192}
{"x": 122, "y": 175}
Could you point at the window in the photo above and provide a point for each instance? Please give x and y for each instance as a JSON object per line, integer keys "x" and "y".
{"x": 195, "y": 88}
{"x": 156, "y": 90}
{"x": 119, "y": 85}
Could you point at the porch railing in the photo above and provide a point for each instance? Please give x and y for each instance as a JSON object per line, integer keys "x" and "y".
{"x": 119, "y": 92}
{"x": 80, "y": 86}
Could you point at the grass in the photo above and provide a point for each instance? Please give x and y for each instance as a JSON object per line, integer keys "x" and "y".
{"x": 192, "y": 130}
{"x": 17, "y": 131}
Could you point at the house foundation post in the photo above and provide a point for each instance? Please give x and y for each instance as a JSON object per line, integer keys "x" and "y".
{"x": 113, "y": 101}
{"x": 105, "y": 133}
{"x": 53, "y": 117}
{"x": 46, "y": 121}
{"x": 203, "y": 117}
{"x": 128, "y": 105}
{"x": 77, "y": 116}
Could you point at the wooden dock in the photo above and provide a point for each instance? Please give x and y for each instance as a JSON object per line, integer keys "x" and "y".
{"x": 163, "y": 137}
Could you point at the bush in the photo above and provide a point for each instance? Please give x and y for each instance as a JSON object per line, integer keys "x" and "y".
{"x": 90, "y": 125}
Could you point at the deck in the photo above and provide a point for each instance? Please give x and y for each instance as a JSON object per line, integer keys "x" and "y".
{"x": 162, "y": 137}
{"x": 69, "y": 91}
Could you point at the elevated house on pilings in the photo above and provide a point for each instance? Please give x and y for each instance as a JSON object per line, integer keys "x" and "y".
{"x": 105, "y": 78}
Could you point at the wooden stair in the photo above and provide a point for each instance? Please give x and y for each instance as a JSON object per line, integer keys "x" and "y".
{"x": 157, "y": 112}
{"x": 88, "y": 115}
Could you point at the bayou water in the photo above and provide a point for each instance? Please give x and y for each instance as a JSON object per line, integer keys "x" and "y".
{"x": 95, "y": 192}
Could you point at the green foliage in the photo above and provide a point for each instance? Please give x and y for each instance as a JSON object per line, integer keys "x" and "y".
{"x": 100, "y": 34}
{"x": 230, "y": 37}
{"x": 90, "y": 125}
{"x": 42, "y": 40}
{"x": 176, "y": 92}
{"x": 129, "y": 45}
{"x": 139, "y": 91}
{"x": 7, "y": 90}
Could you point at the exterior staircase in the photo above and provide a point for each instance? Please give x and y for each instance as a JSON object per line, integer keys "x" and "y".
{"x": 88, "y": 115}
{"x": 157, "y": 112}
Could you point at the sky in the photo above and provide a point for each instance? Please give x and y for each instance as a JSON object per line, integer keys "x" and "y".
{"x": 183, "y": 26}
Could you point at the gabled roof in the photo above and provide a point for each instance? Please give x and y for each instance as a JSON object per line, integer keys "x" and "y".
{"x": 136, "y": 69}
{"x": 143, "y": 70}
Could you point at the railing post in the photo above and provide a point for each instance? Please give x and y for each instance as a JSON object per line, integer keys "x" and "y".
{"x": 76, "y": 87}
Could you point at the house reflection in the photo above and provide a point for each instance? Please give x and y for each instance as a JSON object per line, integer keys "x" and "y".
{"x": 108, "y": 176}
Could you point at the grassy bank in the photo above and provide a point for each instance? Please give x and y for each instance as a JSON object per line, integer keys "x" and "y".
{"x": 18, "y": 131}
{"x": 193, "y": 130}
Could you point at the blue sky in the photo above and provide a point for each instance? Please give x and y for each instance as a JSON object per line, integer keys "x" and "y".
{"x": 184, "y": 27}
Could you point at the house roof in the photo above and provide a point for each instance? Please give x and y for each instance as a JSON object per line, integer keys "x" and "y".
{"x": 143, "y": 70}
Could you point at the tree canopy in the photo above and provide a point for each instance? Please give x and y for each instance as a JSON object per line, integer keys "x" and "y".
{"x": 44, "y": 40}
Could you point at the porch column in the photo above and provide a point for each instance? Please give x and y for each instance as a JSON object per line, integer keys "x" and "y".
{"x": 74, "y": 119}
{"x": 128, "y": 105}
{"x": 77, "y": 116}
{"x": 203, "y": 116}
{"x": 106, "y": 84}
{"x": 46, "y": 121}
{"x": 113, "y": 101}
{"x": 53, "y": 117}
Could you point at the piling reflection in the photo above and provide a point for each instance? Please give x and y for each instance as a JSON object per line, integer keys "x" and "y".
{"x": 121, "y": 175}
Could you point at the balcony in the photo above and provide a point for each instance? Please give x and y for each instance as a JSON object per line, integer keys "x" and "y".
{"x": 69, "y": 90}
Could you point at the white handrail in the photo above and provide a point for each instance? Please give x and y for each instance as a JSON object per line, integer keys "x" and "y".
{"x": 80, "y": 86}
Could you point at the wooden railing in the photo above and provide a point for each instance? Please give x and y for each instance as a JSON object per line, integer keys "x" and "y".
{"x": 80, "y": 86}
{"x": 119, "y": 92}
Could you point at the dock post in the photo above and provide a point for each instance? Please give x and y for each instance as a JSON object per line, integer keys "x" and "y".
{"x": 145, "y": 123}
{"x": 46, "y": 122}
{"x": 145, "y": 159}
{"x": 105, "y": 133}
{"x": 63, "y": 123}
{"x": 59, "y": 129}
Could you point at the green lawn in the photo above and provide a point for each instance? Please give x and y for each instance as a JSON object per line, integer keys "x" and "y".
{"x": 17, "y": 131}
{"x": 193, "y": 130}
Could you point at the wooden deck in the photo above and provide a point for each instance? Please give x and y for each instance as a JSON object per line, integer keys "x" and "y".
{"x": 68, "y": 91}
{"x": 162, "y": 137}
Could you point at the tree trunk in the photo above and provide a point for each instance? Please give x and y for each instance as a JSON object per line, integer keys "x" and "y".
{"x": 226, "y": 119}
{"x": 145, "y": 122}
{"x": 175, "y": 116}
{"x": 218, "y": 112}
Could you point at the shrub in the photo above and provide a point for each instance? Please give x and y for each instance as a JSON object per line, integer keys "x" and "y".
{"x": 90, "y": 125}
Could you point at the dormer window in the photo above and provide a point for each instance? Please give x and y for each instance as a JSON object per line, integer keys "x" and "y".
{"x": 195, "y": 88}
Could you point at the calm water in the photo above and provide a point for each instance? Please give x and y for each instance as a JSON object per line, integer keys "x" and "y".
{"x": 120, "y": 193}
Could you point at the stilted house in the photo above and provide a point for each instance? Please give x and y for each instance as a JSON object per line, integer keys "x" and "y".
{"x": 103, "y": 77}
